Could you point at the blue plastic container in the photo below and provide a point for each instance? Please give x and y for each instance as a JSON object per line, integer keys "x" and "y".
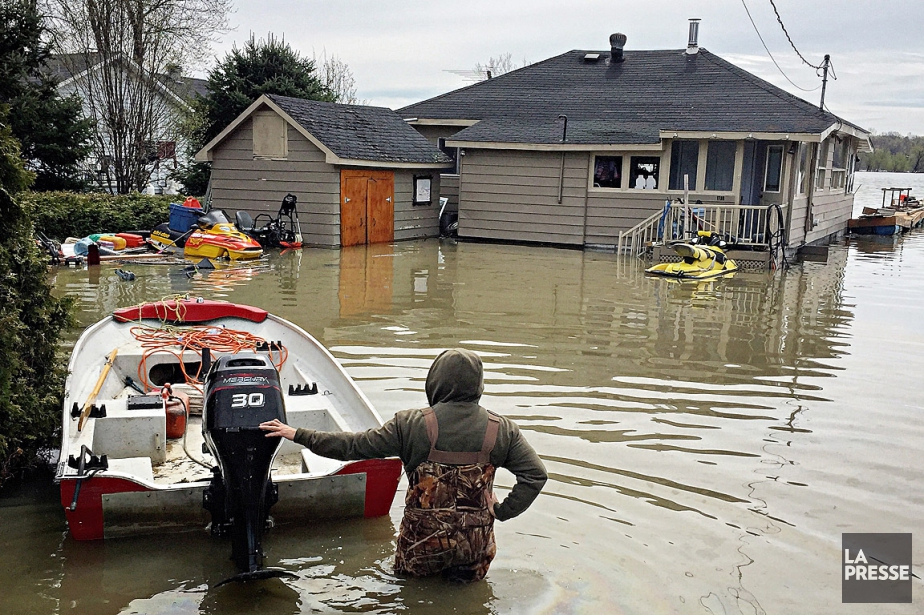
{"x": 183, "y": 218}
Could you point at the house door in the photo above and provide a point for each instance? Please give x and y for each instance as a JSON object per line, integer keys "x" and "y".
{"x": 367, "y": 207}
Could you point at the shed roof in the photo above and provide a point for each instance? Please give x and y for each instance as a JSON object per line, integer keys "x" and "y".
{"x": 632, "y": 102}
{"x": 348, "y": 134}
{"x": 361, "y": 132}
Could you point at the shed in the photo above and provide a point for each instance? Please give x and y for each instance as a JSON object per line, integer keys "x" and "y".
{"x": 361, "y": 174}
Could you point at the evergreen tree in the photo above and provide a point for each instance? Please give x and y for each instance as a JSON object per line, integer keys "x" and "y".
{"x": 53, "y": 134}
{"x": 31, "y": 323}
{"x": 261, "y": 67}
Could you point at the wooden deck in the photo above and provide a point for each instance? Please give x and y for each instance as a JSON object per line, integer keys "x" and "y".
{"x": 886, "y": 220}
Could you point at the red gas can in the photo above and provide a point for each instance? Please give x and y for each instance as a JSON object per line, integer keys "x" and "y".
{"x": 177, "y": 407}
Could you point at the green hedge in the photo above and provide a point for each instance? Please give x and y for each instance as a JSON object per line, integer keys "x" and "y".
{"x": 31, "y": 324}
{"x": 68, "y": 214}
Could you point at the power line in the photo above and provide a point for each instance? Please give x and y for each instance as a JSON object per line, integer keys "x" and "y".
{"x": 786, "y": 32}
{"x": 771, "y": 55}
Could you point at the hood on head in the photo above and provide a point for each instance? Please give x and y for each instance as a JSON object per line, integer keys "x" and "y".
{"x": 455, "y": 376}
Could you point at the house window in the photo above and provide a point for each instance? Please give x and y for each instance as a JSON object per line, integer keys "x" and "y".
{"x": 839, "y": 149}
{"x": 774, "y": 173}
{"x": 803, "y": 160}
{"x": 166, "y": 149}
{"x": 422, "y": 190}
{"x": 452, "y": 152}
{"x": 820, "y": 183}
{"x": 269, "y": 136}
{"x": 839, "y": 164}
{"x": 720, "y": 165}
{"x": 684, "y": 161}
{"x": 644, "y": 172}
{"x": 608, "y": 172}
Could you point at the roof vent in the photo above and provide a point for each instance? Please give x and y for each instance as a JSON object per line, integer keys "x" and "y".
{"x": 693, "y": 43}
{"x": 591, "y": 57}
{"x": 617, "y": 44}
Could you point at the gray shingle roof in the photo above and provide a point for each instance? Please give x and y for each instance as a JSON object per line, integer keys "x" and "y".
{"x": 627, "y": 102}
{"x": 359, "y": 132}
{"x": 64, "y": 66}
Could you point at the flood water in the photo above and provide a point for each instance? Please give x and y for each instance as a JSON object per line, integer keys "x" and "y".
{"x": 707, "y": 444}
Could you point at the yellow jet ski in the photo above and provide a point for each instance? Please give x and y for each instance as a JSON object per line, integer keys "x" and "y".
{"x": 703, "y": 258}
{"x": 212, "y": 236}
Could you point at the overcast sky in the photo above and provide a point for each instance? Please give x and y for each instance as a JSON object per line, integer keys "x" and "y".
{"x": 401, "y": 52}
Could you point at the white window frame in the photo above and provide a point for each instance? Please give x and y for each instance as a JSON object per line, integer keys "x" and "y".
{"x": 779, "y": 188}
{"x": 622, "y": 171}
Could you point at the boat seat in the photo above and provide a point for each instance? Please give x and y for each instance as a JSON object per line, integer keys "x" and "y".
{"x": 127, "y": 433}
{"x": 309, "y": 412}
{"x": 315, "y": 464}
{"x": 139, "y": 467}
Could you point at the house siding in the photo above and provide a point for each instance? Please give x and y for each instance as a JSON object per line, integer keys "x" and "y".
{"x": 449, "y": 182}
{"x": 513, "y": 195}
{"x": 831, "y": 213}
{"x": 258, "y": 185}
{"x": 608, "y": 214}
{"x": 415, "y": 221}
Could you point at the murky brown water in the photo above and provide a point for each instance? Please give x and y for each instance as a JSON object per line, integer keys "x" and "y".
{"x": 707, "y": 443}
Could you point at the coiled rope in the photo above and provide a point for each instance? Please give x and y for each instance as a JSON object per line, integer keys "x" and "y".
{"x": 176, "y": 340}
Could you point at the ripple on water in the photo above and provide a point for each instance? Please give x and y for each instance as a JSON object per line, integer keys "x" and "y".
{"x": 706, "y": 443}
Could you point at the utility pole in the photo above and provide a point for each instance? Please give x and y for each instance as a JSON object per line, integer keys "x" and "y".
{"x": 824, "y": 80}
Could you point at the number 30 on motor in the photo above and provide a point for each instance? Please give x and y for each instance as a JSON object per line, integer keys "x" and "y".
{"x": 245, "y": 400}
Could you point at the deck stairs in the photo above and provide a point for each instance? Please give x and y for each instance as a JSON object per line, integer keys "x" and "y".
{"x": 748, "y": 226}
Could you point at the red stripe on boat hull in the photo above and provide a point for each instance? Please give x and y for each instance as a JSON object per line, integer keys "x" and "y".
{"x": 86, "y": 522}
{"x": 189, "y": 311}
{"x": 382, "y": 476}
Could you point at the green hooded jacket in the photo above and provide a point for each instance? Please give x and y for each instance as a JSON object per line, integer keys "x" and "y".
{"x": 454, "y": 387}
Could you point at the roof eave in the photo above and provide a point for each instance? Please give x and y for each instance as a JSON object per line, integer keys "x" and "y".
{"x": 425, "y": 121}
{"x": 737, "y": 135}
{"x": 378, "y": 164}
{"x": 556, "y": 147}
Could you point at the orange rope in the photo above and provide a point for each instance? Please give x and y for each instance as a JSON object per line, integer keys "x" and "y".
{"x": 177, "y": 340}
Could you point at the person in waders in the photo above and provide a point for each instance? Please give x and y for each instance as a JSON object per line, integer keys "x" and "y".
{"x": 450, "y": 451}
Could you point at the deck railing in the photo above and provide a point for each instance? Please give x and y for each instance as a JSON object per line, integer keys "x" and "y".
{"x": 746, "y": 225}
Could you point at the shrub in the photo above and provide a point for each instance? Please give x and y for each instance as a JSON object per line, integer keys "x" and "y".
{"x": 31, "y": 322}
{"x": 67, "y": 214}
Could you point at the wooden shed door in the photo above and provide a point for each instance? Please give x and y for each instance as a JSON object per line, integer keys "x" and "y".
{"x": 367, "y": 207}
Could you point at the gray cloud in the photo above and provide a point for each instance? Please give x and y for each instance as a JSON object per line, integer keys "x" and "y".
{"x": 400, "y": 52}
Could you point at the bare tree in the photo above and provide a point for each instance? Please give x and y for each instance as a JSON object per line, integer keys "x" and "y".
{"x": 338, "y": 78}
{"x": 495, "y": 67}
{"x": 125, "y": 57}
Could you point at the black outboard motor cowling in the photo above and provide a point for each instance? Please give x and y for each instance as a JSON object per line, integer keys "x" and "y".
{"x": 241, "y": 391}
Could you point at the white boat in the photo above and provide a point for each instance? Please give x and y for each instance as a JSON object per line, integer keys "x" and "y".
{"x": 122, "y": 473}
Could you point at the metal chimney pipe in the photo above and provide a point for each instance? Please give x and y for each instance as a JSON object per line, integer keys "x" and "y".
{"x": 693, "y": 43}
{"x": 617, "y": 44}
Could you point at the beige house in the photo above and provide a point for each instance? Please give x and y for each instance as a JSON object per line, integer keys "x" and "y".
{"x": 361, "y": 174}
{"x": 589, "y": 145}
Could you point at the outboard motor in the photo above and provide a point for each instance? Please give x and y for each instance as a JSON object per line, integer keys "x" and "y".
{"x": 242, "y": 391}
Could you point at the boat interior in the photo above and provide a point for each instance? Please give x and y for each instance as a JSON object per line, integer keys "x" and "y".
{"x": 134, "y": 438}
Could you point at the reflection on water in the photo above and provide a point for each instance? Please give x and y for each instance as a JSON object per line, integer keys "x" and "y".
{"x": 707, "y": 443}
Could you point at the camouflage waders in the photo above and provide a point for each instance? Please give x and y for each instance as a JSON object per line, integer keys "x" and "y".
{"x": 448, "y": 524}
